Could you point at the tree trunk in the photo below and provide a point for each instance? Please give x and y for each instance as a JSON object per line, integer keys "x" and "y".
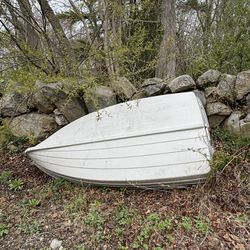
{"x": 65, "y": 46}
{"x": 166, "y": 65}
{"x": 32, "y": 38}
{"x": 108, "y": 56}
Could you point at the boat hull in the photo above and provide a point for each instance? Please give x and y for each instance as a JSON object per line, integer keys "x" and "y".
{"x": 178, "y": 157}
{"x": 140, "y": 158}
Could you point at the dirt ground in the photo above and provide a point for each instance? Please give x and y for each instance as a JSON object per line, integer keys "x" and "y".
{"x": 214, "y": 215}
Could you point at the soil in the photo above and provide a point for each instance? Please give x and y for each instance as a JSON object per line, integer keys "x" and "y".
{"x": 213, "y": 215}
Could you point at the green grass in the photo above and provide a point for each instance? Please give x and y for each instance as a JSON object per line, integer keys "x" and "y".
{"x": 3, "y": 230}
{"x": 13, "y": 184}
{"x": 16, "y": 184}
{"x": 81, "y": 247}
{"x": 145, "y": 233}
{"x": 165, "y": 224}
{"x": 243, "y": 219}
{"x": 5, "y": 176}
{"x": 124, "y": 216}
{"x": 220, "y": 159}
{"x": 229, "y": 141}
{"x": 30, "y": 203}
{"x": 94, "y": 218}
{"x": 153, "y": 217}
{"x": 169, "y": 238}
{"x": 233, "y": 150}
{"x": 203, "y": 225}
{"x": 31, "y": 228}
{"x": 77, "y": 204}
{"x": 54, "y": 189}
{"x": 186, "y": 223}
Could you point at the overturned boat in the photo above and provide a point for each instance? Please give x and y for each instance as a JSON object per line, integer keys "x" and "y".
{"x": 156, "y": 141}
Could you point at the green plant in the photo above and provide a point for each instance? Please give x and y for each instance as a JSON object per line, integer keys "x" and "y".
{"x": 124, "y": 216}
{"x": 81, "y": 247}
{"x": 232, "y": 150}
{"x": 119, "y": 231}
{"x": 169, "y": 238}
{"x": 165, "y": 224}
{"x": 33, "y": 227}
{"x": 121, "y": 247}
{"x": 31, "y": 203}
{"x": 135, "y": 245}
{"x": 153, "y": 217}
{"x": 94, "y": 218}
{"x": 5, "y": 176}
{"x": 57, "y": 184}
{"x": 16, "y": 184}
{"x": 202, "y": 225}
{"x": 105, "y": 188}
{"x": 54, "y": 189}
{"x": 145, "y": 233}
{"x": 98, "y": 236}
{"x": 186, "y": 223}
{"x": 229, "y": 141}
{"x": 77, "y": 204}
{"x": 5, "y": 136}
{"x": 244, "y": 219}
{"x": 219, "y": 160}
{"x": 10, "y": 142}
{"x": 3, "y": 230}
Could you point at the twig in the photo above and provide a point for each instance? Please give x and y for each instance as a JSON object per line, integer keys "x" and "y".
{"x": 235, "y": 155}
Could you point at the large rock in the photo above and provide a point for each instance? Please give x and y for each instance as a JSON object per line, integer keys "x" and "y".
{"x": 13, "y": 104}
{"x": 72, "y": 108}
{"x": 209, "y": 78}
{"x": 201, "y": 96}
{"x": 152, "y": 81}
{"x": 151, "y": 87}
{"x": 217, "y": 112}
{"x": 33, "y": 124}
{"x": 47, "y": 97}
{"x": 153, "y": 90}
{"x": 60, "y": 118}
{"x": 139, "y": 94}
{"x": 248, "y": 101}
{"x": 238, "y": 123}
{"x": 211, "y": 94}
{"x": 99, "y": 97}
{"x": 242, "y": 85}
{"x": 182, "y": 83}
{"x": 3, "y": 87}
{"x": 226, "y": 87}
{"x": 123, "y": 88}
{"x": 225, "y": 91}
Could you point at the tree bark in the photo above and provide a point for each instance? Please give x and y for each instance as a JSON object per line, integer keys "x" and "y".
{"x": 65, "y": 46}
{"x": 166, "y": 65}
{"x": 32, "y": 38}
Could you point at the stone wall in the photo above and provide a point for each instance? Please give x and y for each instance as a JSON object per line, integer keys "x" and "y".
{"x": 50, "y": 106}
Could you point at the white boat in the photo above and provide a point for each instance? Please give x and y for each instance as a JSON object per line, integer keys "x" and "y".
{"x": 156, "y": 141}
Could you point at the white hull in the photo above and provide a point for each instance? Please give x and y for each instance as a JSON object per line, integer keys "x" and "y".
{"x": 150, "y": 156}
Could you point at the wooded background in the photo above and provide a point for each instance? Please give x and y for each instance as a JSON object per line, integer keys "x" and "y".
{"x": 99, "y": 39}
